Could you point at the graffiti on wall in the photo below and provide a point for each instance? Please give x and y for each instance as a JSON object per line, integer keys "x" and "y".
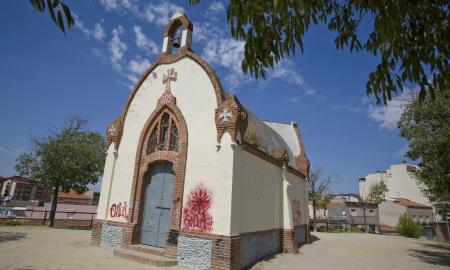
{"x": 195, "y": 213}
{"x": 296, "y": 214}
{"x": 119, "y": 210}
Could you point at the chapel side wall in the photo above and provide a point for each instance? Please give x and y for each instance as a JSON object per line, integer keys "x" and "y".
{"x": 297, "y": 190}
{"x": 196, "y": 99}
{"x": 259, "y": 194}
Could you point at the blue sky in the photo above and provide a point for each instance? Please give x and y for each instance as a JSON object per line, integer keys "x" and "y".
{"x": 45, "y": 75}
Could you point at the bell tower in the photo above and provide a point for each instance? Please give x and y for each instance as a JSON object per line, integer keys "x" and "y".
{"x": 177, "y": 34}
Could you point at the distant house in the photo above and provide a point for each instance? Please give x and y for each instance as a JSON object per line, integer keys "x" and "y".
{"x": 347, "y": 211}
{"x": 72, "y": 197}
{"x": 18, "y": 188}
{"x": 392, "y": 209}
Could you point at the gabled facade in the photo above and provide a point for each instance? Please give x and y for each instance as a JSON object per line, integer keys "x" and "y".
{"x": 183, "y": 175}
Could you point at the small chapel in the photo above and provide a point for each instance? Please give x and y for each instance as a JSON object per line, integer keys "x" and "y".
{"x": 192, "y": 177}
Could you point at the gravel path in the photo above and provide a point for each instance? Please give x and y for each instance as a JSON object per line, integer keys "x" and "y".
{"x": 354, "y": 251}
{"x": 41, "y": 248}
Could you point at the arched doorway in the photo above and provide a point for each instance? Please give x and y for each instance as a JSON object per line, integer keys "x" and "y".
{"x": 157, "y": 212}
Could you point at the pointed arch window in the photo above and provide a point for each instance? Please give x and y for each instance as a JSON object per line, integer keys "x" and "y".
{"x": 173, "y": 138}
{"x": 153, "y": 142}
{"x": 164, "y": 136}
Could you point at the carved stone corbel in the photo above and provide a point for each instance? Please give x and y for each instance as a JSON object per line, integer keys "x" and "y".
{"x": 231, "y": 117}
{"x": 114, "y": 132}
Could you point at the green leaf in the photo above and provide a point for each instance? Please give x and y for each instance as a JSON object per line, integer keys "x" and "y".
{"x": 60, "y": 21}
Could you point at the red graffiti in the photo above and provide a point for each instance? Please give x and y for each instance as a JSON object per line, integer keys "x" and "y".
{"x": 296, "y": 214}
{"x": 119, "y": 210}
{"x": 195, "y": 213}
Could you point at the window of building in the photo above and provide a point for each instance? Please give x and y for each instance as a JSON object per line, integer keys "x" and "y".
{"x": 164, "y": 135}
{"x": 352, "y": 212}
{"x": 174, "y": 138}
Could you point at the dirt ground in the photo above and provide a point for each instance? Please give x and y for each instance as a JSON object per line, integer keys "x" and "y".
{"x": 41, "y": 248}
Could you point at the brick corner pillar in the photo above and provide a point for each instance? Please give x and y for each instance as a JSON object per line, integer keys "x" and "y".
{"x": 172, "y": 244}
{"x": 288, "y": 243}
{"x": 226, "y": 253}
{"x": 96, "y": 232}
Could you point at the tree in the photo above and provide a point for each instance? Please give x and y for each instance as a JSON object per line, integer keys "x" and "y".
{"x": 318, "y": 188}
{"x": 70, "y": 158}
{"x": 407, "y": 227}
{"x": 56, "y": 9}
{"x": 411, "y": 38}
{"x": 426, "y": 126}
{"x": 375, "y": 195}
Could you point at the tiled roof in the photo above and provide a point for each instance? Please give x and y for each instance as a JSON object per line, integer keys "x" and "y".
{"x": 72, "y": 194}
{"x": 409, "y": 203}
{"x": 386, "y": 228}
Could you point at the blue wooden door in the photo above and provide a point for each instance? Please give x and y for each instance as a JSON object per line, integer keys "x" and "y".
{"x": 158, "y": 205}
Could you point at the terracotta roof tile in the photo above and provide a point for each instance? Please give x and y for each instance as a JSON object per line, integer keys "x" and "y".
{"x": 409, "y": 203}
{"x": 72, "y": 194}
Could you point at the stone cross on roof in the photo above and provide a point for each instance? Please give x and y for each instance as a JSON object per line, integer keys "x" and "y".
{"x": 171, "y": 76}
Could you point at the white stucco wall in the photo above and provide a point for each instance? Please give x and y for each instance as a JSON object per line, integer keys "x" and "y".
{"x": 259, "y": 193}
{"x": 390, "y": 212}
{"x": 400, "y": 183}
{"x": 260, "y": 199}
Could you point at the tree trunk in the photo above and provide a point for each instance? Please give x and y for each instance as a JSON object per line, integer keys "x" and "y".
{"x": 365, "y": 220}
{"x": 51, "y": 220}
{"x": 314, "y": 215}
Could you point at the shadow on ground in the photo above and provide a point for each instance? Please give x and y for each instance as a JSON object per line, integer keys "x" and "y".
{"x": 11, "y": 236}
{"x": 432, "y": 253}
{"x": 313, "y": 238}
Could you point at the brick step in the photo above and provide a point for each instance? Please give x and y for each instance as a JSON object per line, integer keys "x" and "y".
{"x": 146, "y": 249}
{"x": 145, "y": 258}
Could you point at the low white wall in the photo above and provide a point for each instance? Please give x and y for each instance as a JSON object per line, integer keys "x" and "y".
{"x": 259, "y": 193}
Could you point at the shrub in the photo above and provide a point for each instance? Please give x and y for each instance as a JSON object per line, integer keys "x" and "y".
{"x": 251, "y": 137}
{"x": 13, "y": 222}
{"x": 356, "y": 230}
{"x": 406, "y": 226}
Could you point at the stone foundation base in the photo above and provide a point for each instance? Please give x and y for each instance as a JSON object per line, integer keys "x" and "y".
{"x": 208, "y": 251}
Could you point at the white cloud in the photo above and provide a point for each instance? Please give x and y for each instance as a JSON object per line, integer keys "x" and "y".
{"x": 143, "y": 42}
{"x": 117, "y": 48}
{"x": 138, "y": 65}
{"x": 160, "y": 13}
{"x": 388, "y": 116}
{"x": 285, "y": 71}
{"x": 216, "y": 7}
{"x": 98, "y": 32}
{"x": 228, "y": 53}
{"x": 310, "y": 92}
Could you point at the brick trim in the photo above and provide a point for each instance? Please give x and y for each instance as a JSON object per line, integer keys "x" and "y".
{"x": 271, "y": 159}
{"x": 143, "y": 164}
{"x": 288, "y": 242}
{"x": 175, "y": 23}
{"x": 301, "y": 160}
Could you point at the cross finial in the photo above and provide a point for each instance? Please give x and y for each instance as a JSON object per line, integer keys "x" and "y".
{"x": 171, "y": 76}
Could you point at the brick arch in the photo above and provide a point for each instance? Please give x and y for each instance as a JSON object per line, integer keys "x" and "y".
{"x": 175, "y": 23}
{"x": 143, "y": 164}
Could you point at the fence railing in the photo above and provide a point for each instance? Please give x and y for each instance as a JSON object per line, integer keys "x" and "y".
{"x": 37, "y": 217}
